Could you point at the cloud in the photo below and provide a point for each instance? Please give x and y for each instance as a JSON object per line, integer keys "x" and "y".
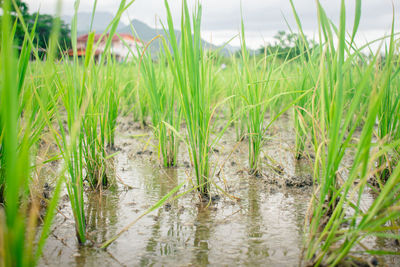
{"x": 261, "y": 17}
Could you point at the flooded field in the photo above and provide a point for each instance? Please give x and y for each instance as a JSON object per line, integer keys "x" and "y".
{"x": 259, "y": 222}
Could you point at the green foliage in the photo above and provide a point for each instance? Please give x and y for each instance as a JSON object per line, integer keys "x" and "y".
{"x": 347, "y": 97}
{"x": 43, "y": 30}
{"x": 19, "y": 35}
{"x": 389, "y": 121}
{"x": 254, "y": 82}
{"x": 344, "y": 104}
{"x": 43, "y": 25}
{"x": 289, "y": 45}
{"x": 164, "y": 109}
{"x": 21, "y": 242}
{"x": 192, "y": 72}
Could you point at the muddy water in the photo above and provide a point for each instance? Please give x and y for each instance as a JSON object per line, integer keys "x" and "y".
{"x": 263, "y": 228}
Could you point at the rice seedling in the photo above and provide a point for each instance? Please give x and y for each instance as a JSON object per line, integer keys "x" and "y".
{"x": 81, "y": 145}
{"x": 389, "y": 124}
{"x": 334, "y": 125}
{"x": 303, "y": 79}
{"x": 102, "y": 111}
{"x": 332, "y": 242}
{"x": 191, "y": 71}
{"x": 331, "y": 108}
{"x": 254, "y": 90}
{"x": 140, "y": 97}
{"x": 70, "y": 137}
{"x": 112, "y": 98}
{"x": 258, "y": 91}
{"x": 301, "y": 120}
{"x": 69, "y": 140}
{"x": 161, "y": 94}
{"x": 93, "y": 141}
{"x": 20, "y": 130}
{"x": 236, "y": 103}
{"x": 100, "y": 120}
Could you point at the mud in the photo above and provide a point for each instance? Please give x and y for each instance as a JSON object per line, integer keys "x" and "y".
{"x": 257, "y": 221}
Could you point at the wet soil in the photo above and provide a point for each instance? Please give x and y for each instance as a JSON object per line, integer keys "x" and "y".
{"x": 261, "y": 225}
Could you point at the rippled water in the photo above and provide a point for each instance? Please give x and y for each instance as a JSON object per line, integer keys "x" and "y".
{"x": 264, "y": 228}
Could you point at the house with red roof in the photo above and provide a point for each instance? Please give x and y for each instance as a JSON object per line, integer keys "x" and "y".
{"x": 123, "y": 46}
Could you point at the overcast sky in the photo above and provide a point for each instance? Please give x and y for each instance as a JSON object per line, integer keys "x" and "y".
{"x": 263, "y": 18}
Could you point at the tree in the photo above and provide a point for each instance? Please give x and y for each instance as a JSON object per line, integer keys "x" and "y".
{"x": 19, "y": 31}
{"x": 288, "y": 45}
{"x": 43, "y": 29}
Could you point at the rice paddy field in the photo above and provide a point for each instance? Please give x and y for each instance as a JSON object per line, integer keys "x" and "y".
{"x": 175, "y": 159}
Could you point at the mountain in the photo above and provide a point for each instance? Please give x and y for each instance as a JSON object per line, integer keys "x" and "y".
{"x": 232, "y": 49}
{"x": 142, "y": 31}
{"x": 146, "y": 33}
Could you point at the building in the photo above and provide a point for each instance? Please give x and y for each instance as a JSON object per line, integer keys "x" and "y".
{"x": 123, "y": 46}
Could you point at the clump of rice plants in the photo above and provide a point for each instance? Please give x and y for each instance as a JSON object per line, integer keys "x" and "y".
{"x": 164, "y": 111}
{"x": 93, "y": 141}
{"x": 236, "y": 102}
{"x": 329, "y": 131}
{"x": 304, "y": 79}
{"x": 96, "y": 124}
{"x": 82, "y": 145}
{"x": 191, "y": 71}
{"x": 70, "y": 137}
{"x": 389, "y": 121}
{"x": 254, "y": 94}
{"x": 70, "y": 145}
{"x": 20, "y": 242}
{"x": 99, "y": 122}
{"x": 336, "y": 200}
{"x": 112, "y": 100}
{"x": 258, "y": 91}
{"x": 301, "y": 119}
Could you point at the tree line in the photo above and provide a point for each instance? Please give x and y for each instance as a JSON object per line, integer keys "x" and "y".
{"x": 42, "y": 25}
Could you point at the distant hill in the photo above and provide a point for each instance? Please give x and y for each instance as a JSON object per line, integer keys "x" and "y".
{"x": 146, "y": 33}
{"x": 143, "y": 31}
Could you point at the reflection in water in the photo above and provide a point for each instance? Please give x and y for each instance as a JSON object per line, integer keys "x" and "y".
{"x": 256, "y": 248}
{"x": 166, "y": 181}
{"x": 202, "y": 235}
{"x": 101, "y": 217}
{"x": 152, "y": 242}
{"x": 101, "y": 210}
{"x": 101, "y": 214}
{"x": 80, "y": 261}
{"x": 173, "y": 226}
